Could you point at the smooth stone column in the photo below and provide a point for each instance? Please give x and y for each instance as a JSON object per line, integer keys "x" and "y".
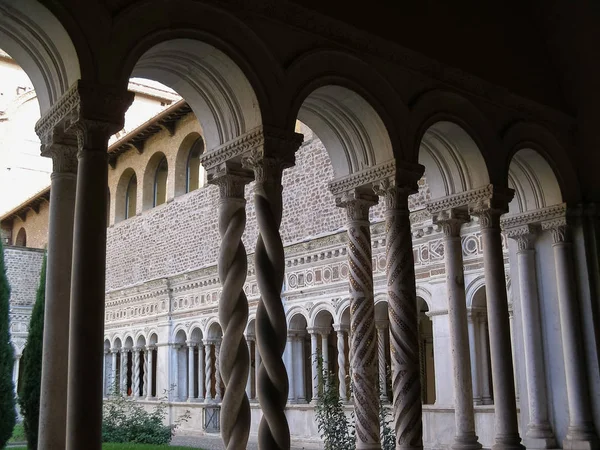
{"x": 341, "y": 350}
{"x": 16, "y": 364}
{"x": 474, "y": 351}
{"x": 191, "y": 371}
{"x": 382, "y": 329}
{"x": 325, "y": 351}
{"x": 257, "y": 361}
{"x": 581, "y": 433}
{"x": 150, "y": 371}
{"x": 55, "y": 351}
{"x": 486, "y": 393}
{"x": 507, "y": 431}
{"x": 123, "y": 373}
{"x": 301, "y": 380}
{"x": 314, "y": 359}
{"x": 218, "y": 389}
{"x": 539, "y": 433}
{"x": 208, "y": 367}
{"x": 114, "y": 386}
{"x": 464, "y": 415}
{"x": 249, "y": 380}
{"x": 290, "y": 366}
{"x": 200, "y": 372}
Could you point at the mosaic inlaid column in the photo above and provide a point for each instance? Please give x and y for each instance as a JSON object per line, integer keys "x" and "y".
{"x": 382, "y": 329}
{"x": 581, "y": 433}
{"x": 539, "y": 432}
{"x": 55, "y": 351}
{"x": 233, "y": 360}
{"x": 503, "y": 381}
{"x": 362, "y": 319}
{"x": 464, "y": 414}
{"x": 403, "y": 313}
{"x": 341, "y": 351}
{"x": 123, "y": 381}
{"x": 268, "y": 162}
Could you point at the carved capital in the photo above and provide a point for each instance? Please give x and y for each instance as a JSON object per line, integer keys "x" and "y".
{"x": 395, "y": 197}
{"x": 451, "y": 221}
{"x": 231, "y": 179}
{"x": 561, "y": 234}
{"x": 150, "y": 348}
{"x": 357, "y": 204}
{"x": 524, "y": 235}
{"x": 488, "y": 218}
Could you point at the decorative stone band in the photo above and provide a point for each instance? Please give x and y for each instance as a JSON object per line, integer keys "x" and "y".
{"x": 524, "y": 235}
{"x": 487, "y": 197}
{"x": 268, "y": 141}
{"x": 534, "y": 217}
{"x": 524, "y": 226}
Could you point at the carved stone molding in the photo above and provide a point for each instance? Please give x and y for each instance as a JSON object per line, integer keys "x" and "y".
{"x": 231, "y": 179}
{"x": 561, "y": 234}
{"x": 534, "y": 217}
{"x": 62, "y": 148}
{"x": 524, "y": 235}
{"x": 363, "y": 178}
{"x": 357, "y": 204}
{"x": 451, "y": 221}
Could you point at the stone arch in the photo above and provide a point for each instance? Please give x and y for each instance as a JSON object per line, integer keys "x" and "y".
{"x": 39, "y": 43}
{"x": 344, "y": 316}
{"x": 318, "y": 310}
{"x": 128, "y": 343}
{"x": 425, "y": 296}
{"x": 189, "y": 173}
{"x": 140, "y": 340}
{"x": 152, "y": 338}
{"x": 469, "y": 125}
{"x": 179, "y": 335}
{"x": 297, "y": 322}
{"x": 21, "y": 239}
{"x": 472, "y": 288}
{"x": 251, "y": 329}
{"x": 117, "y": 343}
{"x": 352, "y": 132}
{"x": 195, "y": 334}
{"x": 214, "y": 330}
{"x": 149, "y": 179}
{"x": 217, "y": 90}
{"x": 296, "y": 310}
{"x": 125, "y": 197}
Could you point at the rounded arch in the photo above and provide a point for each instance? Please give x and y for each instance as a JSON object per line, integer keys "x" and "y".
{"x": 323, "y": 318}
{"x": 117, "y": 343}
{"x": 297, "y": 321}
{"x": 425, "y": 296}
{"x": 474, "y": 291}
{"x": 195, "y": 334}
{"x": 189, "y": 173}
{"x": 180, "y": 336}
{"x": 381, "y": 311}
{"x": 126, "y": 195}
{"x": 157, "y": 162}
{"x": 344, "y": 316}
{"x": 106, "y": 345}
{"x": 440, "y": 106}
{"x": 251, "y": 328}
{"x": 128, "y": 344}
{"x": 21, "y": 239}
{"x": 214, "y": 330}
{"x": 39, "y": 43}
{"x": 217, "y": 90}
{"x": 140, "y": 341}
{"x": 153, "y": 338}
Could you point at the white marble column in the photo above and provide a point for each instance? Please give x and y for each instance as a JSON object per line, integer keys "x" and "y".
{"x": 299, "y": 364}
{"x": 150, "y": 371}
{"x": 464, "y": 414}
{"x": 123, "y": 388}
{"x": 382, "y": 329}
{"x": 191, "y": 370}
{"x": 135, "y": 372}
{"x": 114, "y": 382}
{"x": 505, "y": 405}
{"x": 474, "y": 353}
{"x": 581, "y": 433}
{"x": 314, "y": 359}
{"x": 539, "y": 433}
{"x": 249, "y": 380}
{"x": 144, "y": 393}
{"x": 218, "y": 388}
{"x": 208, "y": 367}
{"x": 55, "y": 351}
{"x": 325, "y": 351}
{"x": 257, "y": 362}
{"x": 341, "y": 351}
{"x": 289, "y": 354}
{"x": 484, "y": 364}
{"x": 16, "y": 364}
{"x": 200, "y": 371}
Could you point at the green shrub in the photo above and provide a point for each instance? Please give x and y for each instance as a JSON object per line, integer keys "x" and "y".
{"x": 7, "y": 396}
{"x": 127, "y": 421}
{"x": 29, "y": 388}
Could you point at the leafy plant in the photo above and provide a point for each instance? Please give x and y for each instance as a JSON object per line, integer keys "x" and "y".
{"x": 128, "y": 421}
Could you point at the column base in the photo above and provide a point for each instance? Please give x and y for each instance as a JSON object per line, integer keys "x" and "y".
{"x": 466, "y": 443}
{"x": 591, "y": 443}
{"x": 512, "y": 442}
{"x": 363, "y": 446}
{"x": 540, "y": 443}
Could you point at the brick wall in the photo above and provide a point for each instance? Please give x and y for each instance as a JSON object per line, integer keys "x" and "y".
{"x": 36, "y": 227}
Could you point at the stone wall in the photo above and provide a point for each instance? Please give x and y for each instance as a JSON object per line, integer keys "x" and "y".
{"x": 35, "y": 225}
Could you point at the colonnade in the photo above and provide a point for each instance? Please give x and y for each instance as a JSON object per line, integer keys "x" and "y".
{"x": 94, "y": 113}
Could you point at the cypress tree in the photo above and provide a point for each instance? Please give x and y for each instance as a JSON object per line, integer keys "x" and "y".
{"x": 29, "y": 389}
{"x": 8, "y": 415}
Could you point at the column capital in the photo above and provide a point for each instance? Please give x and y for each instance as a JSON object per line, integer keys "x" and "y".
{"x": 62, "y": 148}
{"x": 191, "y": 344}
{"x": 524, "y": 235}
{"x": 115, "y": 349}
{"x": 357, "y": 203}
{"x": 151, "y": 347}
{"x": 395, "y": 196}
{"x": 451, "y": 220}
{"x": 341, "y": 328}
{"x": 560, "y": 229}
{"x": 231, "y": 178}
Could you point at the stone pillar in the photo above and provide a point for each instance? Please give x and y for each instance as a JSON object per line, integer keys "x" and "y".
{"x": 249, "y": 380}
{"x": 257, "y": 362}
{"x": 200, "y": 372}
{"x": 464, "y": 415}
{"x": 325, "y": 351}
{"x": 218, "y": 388}
{"x": 208, "y": 367}
{"x": 95, "y": 112}
{"x": 300, "y": 360}
{"x": 233, "y": 363}
{"x": 191, "y": 370}
{"x": 486, "y": 391}
{"x": 474, "y": 352}
{"x": 268, "y": 160}
{"x": 114, "y": 382}
{"x": 341, "y": 351}
{"x": 581, "y": 433}
{"x": 314, "y": 359}
{"x": 135, "y": 372}
{"x": 507, "y": 431}
{"x": 362, "y": 319}
{"x": 16, "y": 364}
{"x": 511, "y": 322}
{"x": 382, "y": 329}
{"x": 150, "y": 371}
{"x": 539, "y": 432}
{"x": 123, "y": 374}
{"x": 290, "y": 367}
{"x": 55, "y": 351}
{"x": 403, "y": 311}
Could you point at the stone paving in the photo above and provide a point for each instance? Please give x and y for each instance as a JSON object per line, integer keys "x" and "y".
{"x": 213, "y": 442}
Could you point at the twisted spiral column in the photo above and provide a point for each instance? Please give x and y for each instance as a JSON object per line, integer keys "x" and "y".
{"x": 218, "y": 390}
{"x": 123, "y": 374}
{"x": 135, "y": 369}
{"x": 381, "y": 330}
{"x": 341, "y": 351}
{"x": 233, "y": 361}
{"x": 403, "y": 317}
{"x": 145, "y": 379}
{"x": 209, "y": 370}
{"x": 363, "y": 358}
{"x": 271, "y": 326}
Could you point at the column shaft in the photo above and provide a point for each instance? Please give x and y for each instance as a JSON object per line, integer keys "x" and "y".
{"x": 341, "y": 349}
{"x": 249, "y": 380}
{"x": 135, "y": 370}
{"x": 150, "y": 372}
{"x": 473, "y": 348}
{"x": 381, "y": 331}
{"x": 209, "y": 370}
{"x": 114, "y": 382}
{"x": 191, "y": 372}
{"x": 290, "y": 367}
{"x": 301, "y": 381}
{"x": 200, "y": 372}
{"x": 314, "y": 358}
{"x": 55, "y": 352}
{"x": 486, "y": 392}
{"x": 218, "y": 388}
{"x": 325, "y": 353}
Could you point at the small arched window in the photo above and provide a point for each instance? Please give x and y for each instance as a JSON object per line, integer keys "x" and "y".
{"x": 160, "y": 182}
{"x": 131, "y": 197}
{"x": 195, "y": 172}
{"x": 21, "y": 240}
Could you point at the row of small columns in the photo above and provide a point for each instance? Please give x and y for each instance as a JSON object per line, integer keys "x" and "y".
{"x": 144, "y": 374}
{"x": 205, "y": 377}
